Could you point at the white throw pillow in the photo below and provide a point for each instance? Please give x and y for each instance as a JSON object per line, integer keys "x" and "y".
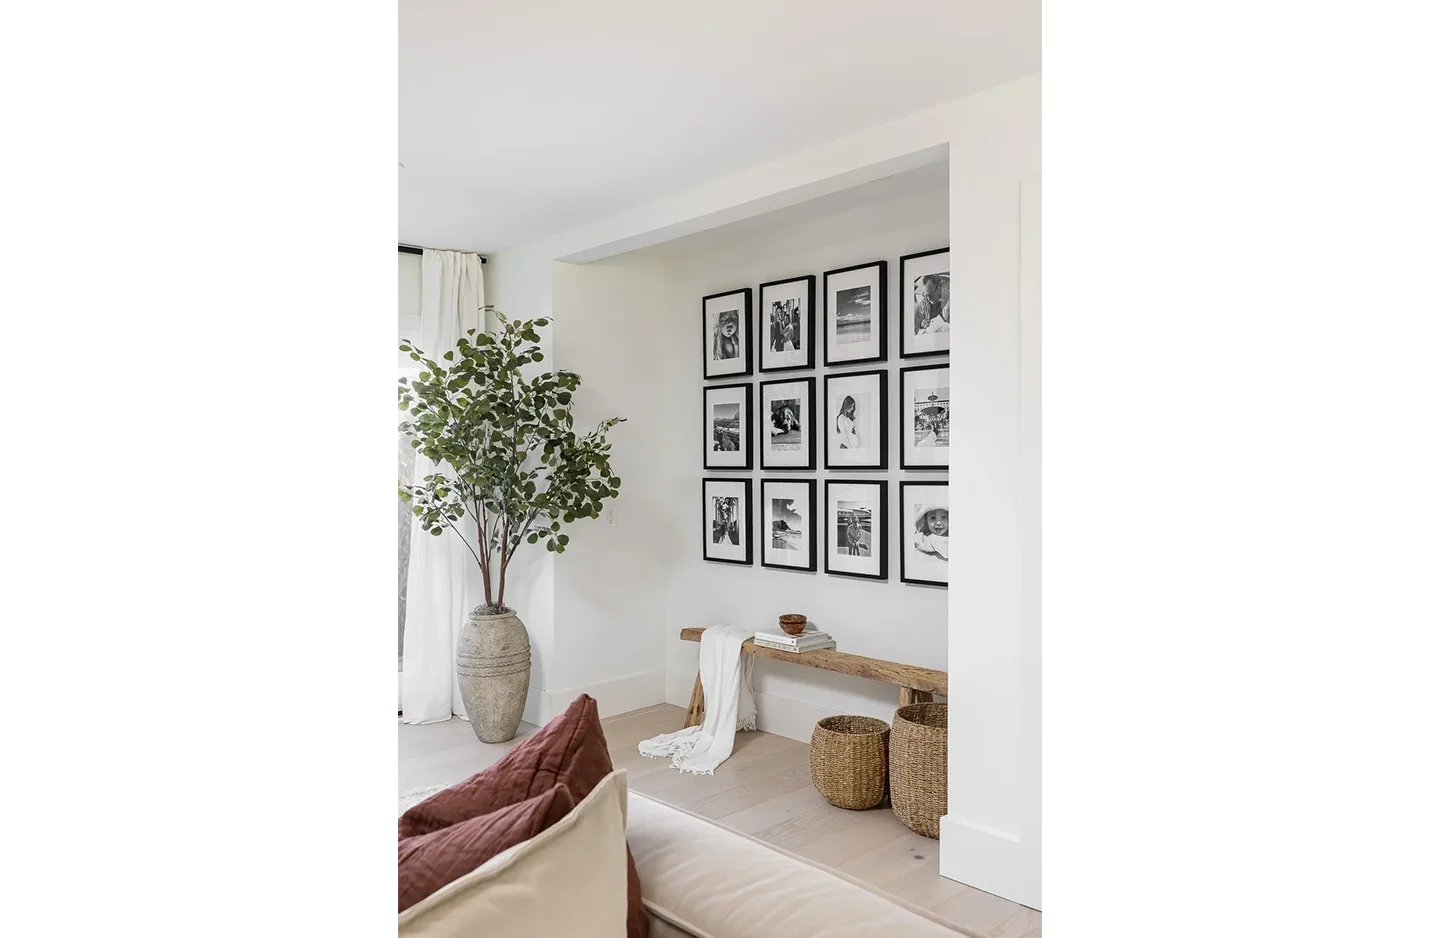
{"x": 567, "y": 880}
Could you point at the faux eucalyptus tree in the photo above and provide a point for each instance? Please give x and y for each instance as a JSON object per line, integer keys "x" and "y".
{"x": 517, "y": 468}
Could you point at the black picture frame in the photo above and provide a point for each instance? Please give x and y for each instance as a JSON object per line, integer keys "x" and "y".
{"x": 762, "y": 426}
{"x": 744, "y": 510}
{"x": 745, "y": 431}
{"x": 882, "y": 379}
{"x": 765, "y": 533}
{"x": 907, "y": 424}
{"x": 878, "y": 528}
{"x": 882, "y": 289}
{"x": 906, "y": 328}
{"x": 747, "y": 323}
{"x": 763, "y": 317}
{"x": 905, "y": 532}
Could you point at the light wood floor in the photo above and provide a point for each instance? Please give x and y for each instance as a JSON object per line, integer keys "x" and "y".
{"x": 763, "y": 789}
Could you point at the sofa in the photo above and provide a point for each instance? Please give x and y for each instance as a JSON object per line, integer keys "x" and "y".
{"x": 701, "y": 879}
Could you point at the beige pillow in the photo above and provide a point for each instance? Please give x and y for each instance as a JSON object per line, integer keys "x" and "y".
{"x": 567, "y": 880}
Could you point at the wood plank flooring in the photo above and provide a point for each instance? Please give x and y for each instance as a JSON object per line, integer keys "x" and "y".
{"x": 763, "y": 789}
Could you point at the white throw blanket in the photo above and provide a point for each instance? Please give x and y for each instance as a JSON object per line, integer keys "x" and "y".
{"x": 729, "y": 704}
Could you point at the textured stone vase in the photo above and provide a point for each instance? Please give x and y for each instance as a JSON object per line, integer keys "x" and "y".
{"x": 492, "y": 662}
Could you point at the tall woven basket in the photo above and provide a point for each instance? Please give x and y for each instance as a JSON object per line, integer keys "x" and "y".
{"x": 848, "y": 760}
{"x": 917, "y": 766}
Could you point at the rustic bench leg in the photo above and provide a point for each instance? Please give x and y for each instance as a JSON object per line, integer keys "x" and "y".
{"x": 696, "y": 714}
{"x": 908, "y": 696}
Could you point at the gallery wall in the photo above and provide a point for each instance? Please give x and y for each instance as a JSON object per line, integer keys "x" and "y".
{"x": 883, "y": 619}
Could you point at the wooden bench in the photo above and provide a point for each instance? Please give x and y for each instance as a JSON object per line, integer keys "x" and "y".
{"x": 917, "y": 685}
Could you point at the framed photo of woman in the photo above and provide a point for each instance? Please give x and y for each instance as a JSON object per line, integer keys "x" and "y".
{"x": 925, "y": 303}
{"x": 925, "y": 533}
{"x": 856, "y": 422}
{"x": 925, "y": 417}
{"x": 787, "y": 528}
{"x": 726, "y": 333}
{"x": 727, "y": 427}
{"x": 787, "y": 424}
{"x": 726, "y": 520}
{"x": 787, "y": 324}
{"x": 855, "y": 314}
{"x": 855, "y": 528}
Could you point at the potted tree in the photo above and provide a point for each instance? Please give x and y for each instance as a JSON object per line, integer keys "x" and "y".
{"x": 512, "y": 471}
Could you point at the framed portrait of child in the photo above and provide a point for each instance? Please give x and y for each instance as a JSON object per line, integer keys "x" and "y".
{"x": 925, "y": 533}
{"x": 725, "y": 334}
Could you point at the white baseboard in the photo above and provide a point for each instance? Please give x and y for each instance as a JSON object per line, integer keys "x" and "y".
{"x": 678, "y": 687}
{"x": 783, "y": 716}
{"x": 994, "y": 861}
{"x": 620, "y": 695}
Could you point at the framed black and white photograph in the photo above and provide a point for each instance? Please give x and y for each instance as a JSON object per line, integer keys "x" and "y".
{"x": 925, "y": 417}
{"x": 787, "y": 424}
{"x": 727, "y": 334}
{"x": 925, "y": 303}
{"x": 855, "y": 314}
{"x": 856, "y": 420}
{"x": 727, "y": 427}
{"x": 787, "y": 324}
{"x": 855, "y": 529}
{"x": 727, "y": 520}
{"x": 925, "y": 533}
{"x": 787, "y": 524}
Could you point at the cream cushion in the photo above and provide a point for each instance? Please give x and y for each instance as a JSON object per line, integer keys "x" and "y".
{"x": 698, "y": 878}
{"x": 569, "y": 879}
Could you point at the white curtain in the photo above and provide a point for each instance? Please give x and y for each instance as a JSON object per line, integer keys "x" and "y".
{"x": 444, "y": 583}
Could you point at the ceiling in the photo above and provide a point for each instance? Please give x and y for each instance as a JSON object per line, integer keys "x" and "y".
{"x": 519, "y": 119}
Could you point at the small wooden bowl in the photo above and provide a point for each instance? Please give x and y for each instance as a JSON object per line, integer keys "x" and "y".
{"x": 793, "y": 624}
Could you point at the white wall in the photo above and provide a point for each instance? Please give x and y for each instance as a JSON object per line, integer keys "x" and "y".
{"x": 892, "y": 620}
{"x": 609, "y": 603}
{"x": 991, "y": 836}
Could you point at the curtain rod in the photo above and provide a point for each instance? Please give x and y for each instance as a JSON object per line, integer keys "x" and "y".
{"x": 398, "y": 248}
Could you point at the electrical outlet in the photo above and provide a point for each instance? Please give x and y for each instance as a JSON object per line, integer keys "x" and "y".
{"x": 610, "y": 515}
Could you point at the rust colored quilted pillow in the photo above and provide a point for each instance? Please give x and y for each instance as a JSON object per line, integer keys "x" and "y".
{"x": 570, "y": 750}
{"x": 431, "y": 860}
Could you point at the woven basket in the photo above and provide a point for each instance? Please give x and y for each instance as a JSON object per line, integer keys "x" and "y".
{"x": 848, "y": 760}
{"x": 917, "y": 766}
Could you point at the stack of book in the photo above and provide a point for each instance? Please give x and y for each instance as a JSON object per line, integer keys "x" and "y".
{"x": 808, "y": 640}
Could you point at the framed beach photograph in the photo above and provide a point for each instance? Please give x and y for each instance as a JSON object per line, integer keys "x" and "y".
{"x": 855, "y": 529}
{"x": 727, "y": 427}
{"x": 787, "y": 324}
{"x": 925, "y": 303}
{"x": 726, "y": 333}
{"x": 726, "y": 512}
{"x": 925, "y": 417}
{"x": 787, "y": 524}
{"x": 925, "y": 533}
{"x": 787, "y": 424}
{"x": 856, "y": 420}
{"x": 855, "y": 314}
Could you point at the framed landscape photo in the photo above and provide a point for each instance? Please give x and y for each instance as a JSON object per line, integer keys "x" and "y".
{"x": 855, "y": 529}
{"x": 726, "y": 512}
{"x": 726, "y": 333}
{"x": 727, "y": 427}
{"x": 925, "y": 417}
{"x": 787, "y": 324}
{"x": 925, "y": 533}
{"x": 787, "y": 524}
{"x": 856, "y": 422}
{"x": 925, "y": 303}
{"x": 855, "y": 314}
{"x": 787, "y": 424}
